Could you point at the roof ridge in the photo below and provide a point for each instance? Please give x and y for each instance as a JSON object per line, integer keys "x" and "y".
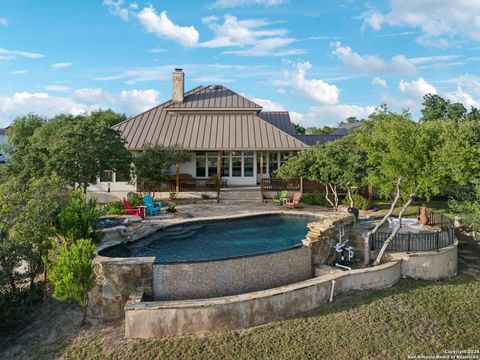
{"x": 190, "y": 92}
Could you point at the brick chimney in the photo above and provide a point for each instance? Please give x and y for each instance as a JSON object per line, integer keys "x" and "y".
{"x": 178, "y": 85}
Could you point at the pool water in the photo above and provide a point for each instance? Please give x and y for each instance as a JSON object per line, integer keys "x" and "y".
{"x": 219, "y": 239}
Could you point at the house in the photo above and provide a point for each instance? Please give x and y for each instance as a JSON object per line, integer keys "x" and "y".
{"x": 227, "y": 132}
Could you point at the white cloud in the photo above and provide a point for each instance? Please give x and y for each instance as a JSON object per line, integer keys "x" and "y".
{"x": 3, "y": 22}
{"x": 115, "y": 8}
{"x": 379, "y": 82}
{"x": 439, "y": 20}
{"x": 18, "y": 72}
{"x": 251, "y": 35}
{"x": 416, "y": 89}
{"x": 467, "y": 92}
{"x": 59, "y": 88}
{"x": 331, "y": 115}
{"x": 82, "y": 100}
{"x": 269, "y": 105}
{"x": 61, "y": 65}
{"x": 237, "y": 3}
{"x": 157, "y": 50}
{"x": 163, "y": 27}
{"x": 372, "y": 64}
{"x": 316, "y": 89}
{"x": 12, "y": 54}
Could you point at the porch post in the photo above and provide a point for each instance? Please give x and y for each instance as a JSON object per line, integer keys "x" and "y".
{"x": 177, "y": 179}
{"x": 261, "y": 174}
{"x": 219, "y": 174}
{"x": 301, "y": 184}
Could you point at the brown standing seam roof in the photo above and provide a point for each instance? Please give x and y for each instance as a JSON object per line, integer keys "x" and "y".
{"x": 214, "y": 97}
{"x": 228, "y": 128}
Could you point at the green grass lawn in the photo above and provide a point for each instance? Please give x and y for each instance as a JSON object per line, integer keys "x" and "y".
{"x": 437, "y": 206}
{"x": 411, "y": 318}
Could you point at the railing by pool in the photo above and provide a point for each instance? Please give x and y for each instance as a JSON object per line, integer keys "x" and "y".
{"x": 410, "y": 242}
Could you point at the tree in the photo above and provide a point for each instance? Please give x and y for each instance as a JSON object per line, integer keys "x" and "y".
{"x": 71, "y": 273}
{"x": 77, "y": 148}
{"x": 326, "y": 130}
{"x": 299, "y": 129}
{"x": 469, "y": 209}
{"x": 435, "y": 108}
{"x": 154, "y": 163}
{"x": 108, "y": 117}
{"x": 79, "y": 218}
{"x": 337, "y": 164}
{"x": 401, "y": 163}
{"x": 349, "y": 120}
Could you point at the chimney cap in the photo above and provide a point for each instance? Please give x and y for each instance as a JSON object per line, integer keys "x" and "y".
{"x": 178, "y": 69}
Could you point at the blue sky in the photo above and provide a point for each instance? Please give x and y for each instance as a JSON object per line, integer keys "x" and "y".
{"x": 321, "y": 60}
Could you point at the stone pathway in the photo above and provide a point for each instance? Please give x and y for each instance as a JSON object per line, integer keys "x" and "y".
{"x": 468, "y": 255}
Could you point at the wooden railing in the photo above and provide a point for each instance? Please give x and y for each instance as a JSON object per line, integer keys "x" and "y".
{"x": 193, "y": 185}
{"x": 275, "y": 184}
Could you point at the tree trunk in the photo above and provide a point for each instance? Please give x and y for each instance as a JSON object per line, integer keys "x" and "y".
{"x": 335, "y": 195}
{"x": 328, "y": 199}
{"x": 349, "y": 193}
{"x": 378, "y": 260}
{"x": 366, "y": 240}
{"x": 84, "y": 311}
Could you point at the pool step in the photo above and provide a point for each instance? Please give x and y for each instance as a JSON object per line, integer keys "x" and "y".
{"x": 179, "y": 232}
{"x": 239, "y": 195}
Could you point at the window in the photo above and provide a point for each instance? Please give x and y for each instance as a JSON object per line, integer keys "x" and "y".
{"x": 106, "y": 176}
{"x": 236, "y": 166}
{"x": 120, "y": 177}
{"x": 200, "y": 164}
{"x": 212, "y": 165}
{"x": 225, "y": 170}
{"x": 248, "y": 163}
{"x": 272, "y": 162}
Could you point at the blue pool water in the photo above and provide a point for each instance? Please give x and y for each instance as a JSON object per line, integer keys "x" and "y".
{"x": 209, "y": 240}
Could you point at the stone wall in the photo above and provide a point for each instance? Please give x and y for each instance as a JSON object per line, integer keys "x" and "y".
{"x": 196, "y": 317}
{"x": 208, "y": 279}
{"x": 116, "y": 280}
{"x": 324, "y": 234}
{"x": 173, "y": 318}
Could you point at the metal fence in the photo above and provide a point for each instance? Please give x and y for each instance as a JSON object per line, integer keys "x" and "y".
{"x": 428, "y": 241}
{"x": 192, "y": 184}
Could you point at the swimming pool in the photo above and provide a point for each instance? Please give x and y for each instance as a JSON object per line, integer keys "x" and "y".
{"x": 218, "y": 239}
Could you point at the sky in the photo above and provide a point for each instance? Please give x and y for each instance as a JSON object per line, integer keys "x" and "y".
{"x": 322, "y": 60}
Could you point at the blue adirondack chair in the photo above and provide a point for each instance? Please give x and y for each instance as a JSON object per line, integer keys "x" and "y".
{"x": 151, "y": 207}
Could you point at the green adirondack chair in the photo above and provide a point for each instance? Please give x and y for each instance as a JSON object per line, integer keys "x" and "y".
{"x": 278, "y": 200}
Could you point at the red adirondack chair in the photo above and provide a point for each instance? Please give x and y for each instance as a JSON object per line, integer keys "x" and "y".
{"x": 134, "y": 210}
{"x": 293, "y": 202}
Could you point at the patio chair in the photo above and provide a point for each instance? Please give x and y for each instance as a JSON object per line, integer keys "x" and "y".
{"x": 293, "y": 202}
{"x": 151, "y": 207}
{"x": 134, "y": 210}
{"x": 280, "y": 199}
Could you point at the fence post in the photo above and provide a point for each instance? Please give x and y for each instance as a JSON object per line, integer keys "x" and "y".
{"x": 436, "y": 241}
{"x": 177, "y": 178}
{"x": 408, "y": 242}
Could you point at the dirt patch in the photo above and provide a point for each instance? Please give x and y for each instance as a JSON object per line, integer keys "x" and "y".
{"x": 53, "y": 327}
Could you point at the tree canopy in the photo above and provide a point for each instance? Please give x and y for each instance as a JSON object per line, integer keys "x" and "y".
{"x": 77, "y": 148}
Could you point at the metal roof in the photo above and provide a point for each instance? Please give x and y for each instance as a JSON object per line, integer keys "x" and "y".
{"x": 279, "y": 119}
{"x": 314, "y": 139}
{"x": 214, "y": 97}
{"x": 207, "y": 131}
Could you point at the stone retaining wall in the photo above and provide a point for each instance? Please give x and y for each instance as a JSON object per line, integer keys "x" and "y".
{"x": 208, "y": 279}
{"x": 194, "y": 317}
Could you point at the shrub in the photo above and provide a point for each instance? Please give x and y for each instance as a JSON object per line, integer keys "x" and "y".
{"x": 17, "y": 305}
{"x": 79, "y": 218}
{"x": 71, "y": 272}
{"x": 359, "y": 202}
{"x": 171, "y": 208}
{"x": 205, "y": 196}
{"x": 172, "y": 196}
{"x": 315, "y": 198}
{"x": 115, "y": 208}
{"x": 136, "y": 200}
